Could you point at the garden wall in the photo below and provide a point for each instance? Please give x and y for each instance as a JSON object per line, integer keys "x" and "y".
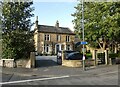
{"x": 26, "y": 63}
{"x": 7, "y": 62}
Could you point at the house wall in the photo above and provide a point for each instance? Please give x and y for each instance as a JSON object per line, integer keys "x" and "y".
{"x": 35, "y": 39}
{"x": 39, "y": 41}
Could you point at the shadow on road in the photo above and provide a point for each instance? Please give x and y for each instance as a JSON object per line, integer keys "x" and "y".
{"x": 45, "y": 63}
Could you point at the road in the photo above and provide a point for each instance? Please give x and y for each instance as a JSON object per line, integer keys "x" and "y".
{"x": 53, "y": 74}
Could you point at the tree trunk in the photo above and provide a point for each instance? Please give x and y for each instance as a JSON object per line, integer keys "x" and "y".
{"x": 115, "y": 49}
{"x": 104, "y": 46}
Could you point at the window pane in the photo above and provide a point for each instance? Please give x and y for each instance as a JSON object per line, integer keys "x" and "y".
{"x": 58, "y": 37}
{"x": 68, "y": 38}
{"x": 45, "y": 37}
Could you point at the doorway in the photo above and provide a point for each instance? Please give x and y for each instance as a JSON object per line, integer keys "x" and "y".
{"x": 57, "y": 48}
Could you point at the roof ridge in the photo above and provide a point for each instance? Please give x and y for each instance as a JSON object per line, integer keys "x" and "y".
{"x": 54, "y": 26}
{"x": 53, "y": 29}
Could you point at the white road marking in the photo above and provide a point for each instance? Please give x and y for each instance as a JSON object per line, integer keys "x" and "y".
{"x": 41, "y": 79}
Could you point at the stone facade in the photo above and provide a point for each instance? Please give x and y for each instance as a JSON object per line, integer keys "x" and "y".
{"x": 51, "y": 39}
{"x": 26, "y": 63}
{"x": 7, "y": 62}
{"x": 77, "y": 63}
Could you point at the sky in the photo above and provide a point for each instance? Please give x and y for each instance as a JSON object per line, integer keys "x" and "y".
{"x": 49, "y": 12}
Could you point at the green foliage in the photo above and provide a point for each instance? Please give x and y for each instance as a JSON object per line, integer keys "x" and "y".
{"x": 17, "y": 38}
{"x": 88, "y": 55}
{"x": 119, "y": 54}
{"x": 101, "y": 20}
{"x": 113, "y": 55}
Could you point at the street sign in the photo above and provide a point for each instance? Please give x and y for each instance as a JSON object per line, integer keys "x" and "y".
{"x": 84, "y": 43}
{"x": 81, "y": 43}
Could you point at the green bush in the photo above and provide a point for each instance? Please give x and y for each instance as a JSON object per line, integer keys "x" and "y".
{"x": 119, "y": 54}
{"x": 113, "y": 55}
{"x": 88, "y": 55}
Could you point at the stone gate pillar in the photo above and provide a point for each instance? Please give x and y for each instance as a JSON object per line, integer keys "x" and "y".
{"x": 106, "y": 57}
{"x": 94, "y": 56}
{"x": 63, "y": 58}
{"x": 63, "y": 55}
{"x": 32, "y": 59}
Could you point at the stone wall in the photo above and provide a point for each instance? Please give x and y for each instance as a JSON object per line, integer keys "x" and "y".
{"x": 7, "y": 62}
{"x": 26, "y": 63}
{"x": 90, "y": 62}
{"x": 76, "y": 63}
{"x": 39, "y": 40}
{"x": 72, "y": 63}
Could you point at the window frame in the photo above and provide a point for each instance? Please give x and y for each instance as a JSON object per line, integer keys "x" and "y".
{"x": 47, "y": 37}
{"x": 58, "y": 37}
{"x": 46, "y": 48}
{"x": 68, "y": 47}
{"x": 67, "y": 38}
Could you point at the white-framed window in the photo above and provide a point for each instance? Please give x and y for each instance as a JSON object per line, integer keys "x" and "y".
{"x": 58, "y": 37}
{"x": 67, "y": 38}
{"x": 47, "y": 37}
{"x": 46, "y": 48}
{"x": 68, "y": 47}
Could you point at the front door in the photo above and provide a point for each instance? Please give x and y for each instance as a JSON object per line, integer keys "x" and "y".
{"x": 58, "y": 48}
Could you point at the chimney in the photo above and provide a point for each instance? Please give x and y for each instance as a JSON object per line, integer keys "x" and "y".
{"x": 36, "y": 22}
{"x": 57, "y": 24}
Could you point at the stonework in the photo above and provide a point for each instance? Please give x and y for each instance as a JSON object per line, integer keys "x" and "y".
{"x": 52, "y": 45}
{"x": 77, "y": 63}
{"x": 26, "y": 63}
{"x": 72, "y": 63}
{"x": 7, "y": 62}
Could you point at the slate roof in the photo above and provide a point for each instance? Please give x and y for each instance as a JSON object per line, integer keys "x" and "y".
{"x": 53, "y": 29}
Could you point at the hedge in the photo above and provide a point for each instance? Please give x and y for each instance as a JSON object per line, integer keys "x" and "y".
{"x": 113, "y": 55}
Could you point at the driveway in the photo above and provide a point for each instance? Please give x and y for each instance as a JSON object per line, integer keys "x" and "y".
{"x": 46, "y": 61}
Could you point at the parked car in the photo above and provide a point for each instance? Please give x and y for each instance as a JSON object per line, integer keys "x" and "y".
{"x": 59, "y": 55}
{"x": 74, "y": 56}
{"x": 69, "y": 55}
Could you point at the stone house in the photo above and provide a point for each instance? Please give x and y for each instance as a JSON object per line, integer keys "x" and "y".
{"x": 51, "y": 39}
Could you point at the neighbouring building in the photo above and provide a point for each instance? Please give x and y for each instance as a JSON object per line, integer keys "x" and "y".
{"x": 51, "y": 39}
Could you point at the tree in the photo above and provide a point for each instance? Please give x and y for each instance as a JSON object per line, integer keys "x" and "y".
{"x": 101, "y": 23}
{"x": 16, "y": 24}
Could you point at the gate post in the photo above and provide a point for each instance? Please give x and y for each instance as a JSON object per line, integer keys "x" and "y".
{"x": 94, "y": 56}
{"x": 106, "y": 57}
{"x": 63, "y": 56}
{"x": 32, "y": 59}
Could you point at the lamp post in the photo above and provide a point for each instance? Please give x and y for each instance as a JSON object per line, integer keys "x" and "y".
{"x": 83, "y": 34}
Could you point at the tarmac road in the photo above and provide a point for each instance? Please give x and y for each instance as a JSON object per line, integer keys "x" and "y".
{"x": 58, "y": 75}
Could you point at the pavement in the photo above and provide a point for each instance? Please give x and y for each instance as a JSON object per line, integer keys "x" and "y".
{"x": 58, "y": 75}
{"x": 52, "y": 74}
{"x": 60, "y": 70}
